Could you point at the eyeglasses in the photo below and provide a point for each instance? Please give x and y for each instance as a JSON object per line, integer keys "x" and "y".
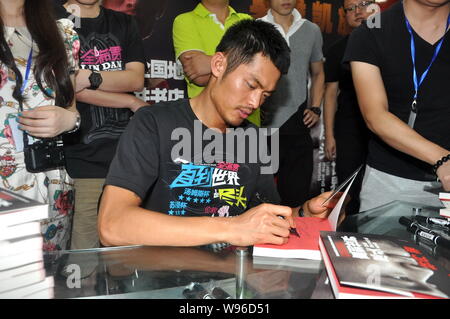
{"x": 361, "y": 5}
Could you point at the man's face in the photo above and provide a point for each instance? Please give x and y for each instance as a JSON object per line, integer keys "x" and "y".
{"x": 125, "y": 6}
{"x": 240, "y": 92}
{"x": 283, "y": 7}
{"x": 358, "y": 14}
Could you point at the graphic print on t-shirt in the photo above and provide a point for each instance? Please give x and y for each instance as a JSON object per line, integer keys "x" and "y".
{"x": 103, "y": 52}
{"x": 208, "y": 190}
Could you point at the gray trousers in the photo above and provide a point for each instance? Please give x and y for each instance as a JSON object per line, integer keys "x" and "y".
{"x": 379, "y": 188}
{"x": 84, "y": 231}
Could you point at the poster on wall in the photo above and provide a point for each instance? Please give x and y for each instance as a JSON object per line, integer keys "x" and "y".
{"x": 164, "y": 79}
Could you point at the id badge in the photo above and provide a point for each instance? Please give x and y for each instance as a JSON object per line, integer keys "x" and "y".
{"x": 412, "y": 119}
{"x": 17, "y": 134}
{"x": 412, "y": 114}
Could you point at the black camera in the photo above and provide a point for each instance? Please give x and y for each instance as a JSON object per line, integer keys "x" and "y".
{"x": 44, "y": 155}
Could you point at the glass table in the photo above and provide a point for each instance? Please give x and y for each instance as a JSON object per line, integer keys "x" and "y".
{"x": 167, "y": 272}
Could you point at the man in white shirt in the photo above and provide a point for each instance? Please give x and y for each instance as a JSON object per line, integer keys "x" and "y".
{"x": 287, "y": 109}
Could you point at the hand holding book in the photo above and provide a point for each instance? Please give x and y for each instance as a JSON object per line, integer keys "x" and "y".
{"x": 316, "y": 218}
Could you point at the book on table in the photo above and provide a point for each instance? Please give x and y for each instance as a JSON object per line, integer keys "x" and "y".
{"x": 306, "y": 245}
{"x": 445, "y": 199}
{"x": 22, "y": 272}
{"x": 17, "y": 209}
{"x": 375, "y": 266}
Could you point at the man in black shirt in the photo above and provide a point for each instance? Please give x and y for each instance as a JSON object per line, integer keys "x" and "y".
{"x": 157, "y": 193}
{"x": 410, "y": 148}
{"x": 346, "y": 133}
{"x": 112, "y": 65}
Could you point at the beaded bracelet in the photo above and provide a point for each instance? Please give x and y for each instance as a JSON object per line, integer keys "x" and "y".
{"x": 440, "y": 163}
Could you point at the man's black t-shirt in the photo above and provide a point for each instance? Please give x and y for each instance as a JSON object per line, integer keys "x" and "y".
{"x": 388, "y": 47}
{"x": 336, "y": 71}
{"x": 183, "y": 183}
{"x": 107, "y": 43}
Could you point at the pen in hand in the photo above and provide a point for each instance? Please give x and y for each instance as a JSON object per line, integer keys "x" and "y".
{"x": 292, "y": 230}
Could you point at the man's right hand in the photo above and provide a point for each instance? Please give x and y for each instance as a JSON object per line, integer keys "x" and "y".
{"x": 263, "y": 224}
{"x": 330, "y": 148}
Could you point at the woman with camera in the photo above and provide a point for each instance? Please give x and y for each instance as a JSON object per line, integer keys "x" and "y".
{"x": 38, "y": 61}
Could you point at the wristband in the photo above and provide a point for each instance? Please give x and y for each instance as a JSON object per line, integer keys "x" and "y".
{"x": 440, "y": 163}
{"x": 315, "y": 109}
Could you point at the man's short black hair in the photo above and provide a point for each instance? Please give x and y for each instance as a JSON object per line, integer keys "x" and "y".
{"x": 247, "y": 38}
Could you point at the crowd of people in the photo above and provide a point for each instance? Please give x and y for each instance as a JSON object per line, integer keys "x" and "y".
{"x": 68, "y": 74}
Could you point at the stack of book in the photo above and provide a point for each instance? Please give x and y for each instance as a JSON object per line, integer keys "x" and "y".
{"x": 445, "y": 199}
{"x": 22, "y": 273}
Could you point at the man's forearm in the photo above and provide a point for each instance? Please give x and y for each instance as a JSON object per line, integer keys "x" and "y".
{"x": 123, "y": 222}
{"x": 202, "y": 80}
{"x": 317, "y": 89}
{"x": 400, "y": 136}
{"x": 373, "y": 102}
{"x": 196, "y": 67}
{"x": 107, "y": 99}
{"x": 329, "y": 108}
{"x": 129, "y": 80}
{"x": 121, "y": 81}
{"x": 138, "y": 226}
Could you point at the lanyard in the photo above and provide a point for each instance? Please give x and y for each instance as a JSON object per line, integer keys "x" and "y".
{"x": 24, "y": 85}
{"x": 27, "y": 72}
{"x": 418, "y": 83}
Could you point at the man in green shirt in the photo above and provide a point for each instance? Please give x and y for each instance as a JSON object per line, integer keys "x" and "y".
{"x": 196, "y": 35}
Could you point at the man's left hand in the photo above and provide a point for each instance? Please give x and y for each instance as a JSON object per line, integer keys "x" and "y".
{"x": 314, "y": 208}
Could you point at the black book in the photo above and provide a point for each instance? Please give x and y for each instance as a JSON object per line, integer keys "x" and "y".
{"x": 375, "y": 266}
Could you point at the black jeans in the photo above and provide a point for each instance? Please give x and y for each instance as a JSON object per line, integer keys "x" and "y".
{"x": 296, "y": 160}
{"x": 296, "y": 168}
{"x": 352, "y": 138}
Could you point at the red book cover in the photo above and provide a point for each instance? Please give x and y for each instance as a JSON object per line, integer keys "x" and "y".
{"x": 304, "y": 247}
